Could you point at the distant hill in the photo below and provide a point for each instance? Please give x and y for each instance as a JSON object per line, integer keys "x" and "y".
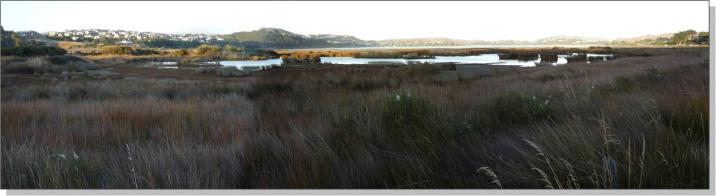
{"x": 555, "y": 40}
{"x": 279, "y": 38}
{"x": 338, "y": 40}
{"x": 429, "y": 42}
{"x": 646, "y": 37}
{"x": 660, "y": 39}
{"x": 570, "y": 40}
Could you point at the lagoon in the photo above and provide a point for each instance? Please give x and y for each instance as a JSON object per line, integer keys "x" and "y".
{"x": 492, "y": 59}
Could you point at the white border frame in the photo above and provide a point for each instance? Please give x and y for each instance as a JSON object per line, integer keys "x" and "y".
{"x": 710, "y": 191}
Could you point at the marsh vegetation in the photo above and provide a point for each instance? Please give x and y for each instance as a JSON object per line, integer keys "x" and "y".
{"x": 638, "y": 121}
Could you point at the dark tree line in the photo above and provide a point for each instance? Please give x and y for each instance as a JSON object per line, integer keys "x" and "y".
{"x": 690, "y": 37}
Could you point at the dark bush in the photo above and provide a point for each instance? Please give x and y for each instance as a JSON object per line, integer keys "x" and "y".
{"x": 652, "y": 73}
{"x": 624, "y": 83}
{"x": 366, "y": 84}
{"x": 171, "y": 93}
{"x": 26, "y": 51}
{"x": 145, "y": 52}
{"x": 270, "y": 87}
{"x": 77, "y": 94}
{"x": 19, "y": 70}
{"x": 266, "y": 53}
{"x": 116, "y": 50}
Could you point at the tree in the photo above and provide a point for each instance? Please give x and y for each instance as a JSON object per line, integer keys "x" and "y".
{"x": 702, "y": 38}
{"x": 683, "y": 37}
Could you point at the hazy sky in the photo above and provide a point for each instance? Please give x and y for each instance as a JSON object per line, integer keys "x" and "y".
{"x": 369, "y": 20}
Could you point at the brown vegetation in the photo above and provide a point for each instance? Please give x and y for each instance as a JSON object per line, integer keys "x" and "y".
{"x": 633, "y": 122}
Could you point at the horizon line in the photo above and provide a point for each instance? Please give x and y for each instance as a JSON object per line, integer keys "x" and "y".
{"x": 427, "y": 37}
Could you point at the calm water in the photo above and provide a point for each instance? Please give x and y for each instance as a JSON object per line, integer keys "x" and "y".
{"x": 252, "y": 63}
{"x": 481, "y": 59}
{"x": 475, "y": 59}
{"x": 451, "y": 47}
{"x": 492, "y": 59}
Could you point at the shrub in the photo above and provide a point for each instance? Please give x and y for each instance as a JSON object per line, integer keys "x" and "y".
{"x": 140, "y": 51}
{"x": 178, "y": 52}
{"x": 207, "y": 50}
{"x": 116, "y": 50}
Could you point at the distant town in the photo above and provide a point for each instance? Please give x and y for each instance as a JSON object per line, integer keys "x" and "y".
{"x": 126, "y": 37}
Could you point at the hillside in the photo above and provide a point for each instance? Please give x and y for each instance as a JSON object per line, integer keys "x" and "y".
{"x": 279, "y": 38}
{"x": 570, "y": 40}
{"x": 555, "y": 40}
{"x": 273, "y": 38}
{"x": 342, "y": 40}
{"x": 646, "y": 39}
{"x": 429, "y": 42}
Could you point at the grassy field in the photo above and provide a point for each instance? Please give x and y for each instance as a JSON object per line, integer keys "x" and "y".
{"x": 638, "y": 121}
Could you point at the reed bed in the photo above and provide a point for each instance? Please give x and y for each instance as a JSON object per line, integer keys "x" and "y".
{"x": 630, "y": 123}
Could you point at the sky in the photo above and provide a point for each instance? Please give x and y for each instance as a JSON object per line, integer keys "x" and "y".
{"x": 373, "y": 20}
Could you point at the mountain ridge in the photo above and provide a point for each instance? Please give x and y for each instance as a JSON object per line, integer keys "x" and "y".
{"x": 270, "y": 37}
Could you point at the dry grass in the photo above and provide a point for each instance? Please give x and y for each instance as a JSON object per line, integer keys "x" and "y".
{"x": 620, "y": 124}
